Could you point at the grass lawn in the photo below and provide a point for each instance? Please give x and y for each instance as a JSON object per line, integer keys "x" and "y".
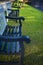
{"x": 33, "y": 27}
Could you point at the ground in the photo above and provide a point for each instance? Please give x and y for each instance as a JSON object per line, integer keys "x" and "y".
{"x": 33, "y": 26}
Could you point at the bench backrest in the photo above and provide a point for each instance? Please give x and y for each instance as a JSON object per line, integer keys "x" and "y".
{"x": 3, "y": 22}
{"x": 4, "y": 6}
{"x": 8, "y": 6}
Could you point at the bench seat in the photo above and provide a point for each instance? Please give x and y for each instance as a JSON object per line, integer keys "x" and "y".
{"x": 10, "y": 47}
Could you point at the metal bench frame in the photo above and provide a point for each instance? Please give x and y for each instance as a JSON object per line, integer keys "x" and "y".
{"x": 8, "y": 36}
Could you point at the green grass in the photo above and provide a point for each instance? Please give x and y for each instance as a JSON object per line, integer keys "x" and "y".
{"x": 33, "y": 27}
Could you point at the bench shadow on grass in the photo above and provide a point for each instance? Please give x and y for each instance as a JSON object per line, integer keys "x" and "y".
{"x": 34, "y": 58}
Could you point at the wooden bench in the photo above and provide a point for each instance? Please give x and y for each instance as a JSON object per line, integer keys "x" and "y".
{"x": 11, "y": 39}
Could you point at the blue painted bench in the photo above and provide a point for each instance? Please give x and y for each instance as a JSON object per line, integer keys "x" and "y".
{"x": 11, "y": 38}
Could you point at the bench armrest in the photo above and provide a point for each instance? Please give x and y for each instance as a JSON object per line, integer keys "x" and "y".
{"x": 16, "y": 18}
{"x": 12, "y": 38}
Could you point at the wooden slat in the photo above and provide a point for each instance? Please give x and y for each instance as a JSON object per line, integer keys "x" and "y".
{"x": 13, "y": 50}
{"x": 8, "y": 47}
{"x": 11, "y": 47}
{"x": 0, "y": 45}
